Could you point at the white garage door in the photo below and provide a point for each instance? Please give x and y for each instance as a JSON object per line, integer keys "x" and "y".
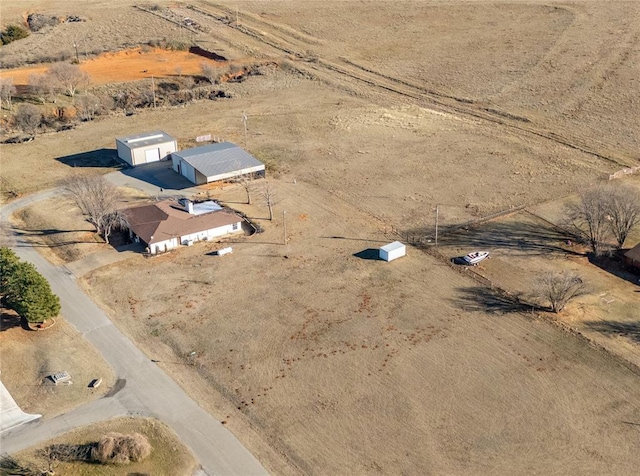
{"x": 152, "y": 155}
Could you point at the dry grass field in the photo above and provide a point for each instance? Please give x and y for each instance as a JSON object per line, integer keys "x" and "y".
{"x": 348, "y": 365}
{"x": 378, "y": 112}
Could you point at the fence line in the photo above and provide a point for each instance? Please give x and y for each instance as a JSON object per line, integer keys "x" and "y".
{"x": 623, "y": 172}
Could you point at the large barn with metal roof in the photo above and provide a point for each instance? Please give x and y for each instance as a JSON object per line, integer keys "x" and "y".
{"x": 215, "y": 162}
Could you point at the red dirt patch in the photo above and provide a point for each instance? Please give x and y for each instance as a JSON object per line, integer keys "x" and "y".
{"x": 126, "y": 65}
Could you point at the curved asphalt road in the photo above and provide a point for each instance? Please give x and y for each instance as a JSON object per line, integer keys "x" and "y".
{"x": 148, "y": 390}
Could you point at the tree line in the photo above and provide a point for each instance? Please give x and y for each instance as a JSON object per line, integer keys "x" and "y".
{"x": 25, "y": 290}
{"x": 604, "y": 215}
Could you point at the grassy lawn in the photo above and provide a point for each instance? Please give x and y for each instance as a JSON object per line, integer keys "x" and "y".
{"x": 168, "y": 455}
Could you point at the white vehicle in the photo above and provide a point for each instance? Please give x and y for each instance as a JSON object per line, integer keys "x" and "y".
{"x": 475, "y": 257}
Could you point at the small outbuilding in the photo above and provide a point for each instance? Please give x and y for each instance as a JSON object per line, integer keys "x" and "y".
{"x": 632, "y": 257}
{"x": 215, "y": 162}
{"x": 147, "y": 147}
{"x": 392, "y": 251}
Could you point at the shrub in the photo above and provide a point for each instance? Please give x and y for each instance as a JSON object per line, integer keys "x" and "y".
{"x": 87, "y": 106}
{"x": 38, "y": 21}
{"x": 13, "y": 33}
{"x": 28, "y": 118}
{"x": 116, "y": 448}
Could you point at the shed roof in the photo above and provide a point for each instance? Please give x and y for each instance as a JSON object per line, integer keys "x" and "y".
{"x": 145, "y": 139}
{"x": 634, "y": 253}
{"x": 217, "y": 159}
{"x": 168, "y": 219}
{"x": 396, "y": 245}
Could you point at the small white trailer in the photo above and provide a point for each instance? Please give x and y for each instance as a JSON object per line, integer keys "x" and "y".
{"x": 393, "y": 251}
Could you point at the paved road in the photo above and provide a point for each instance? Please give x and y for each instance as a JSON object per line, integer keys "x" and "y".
{"x": 148, "y": 390}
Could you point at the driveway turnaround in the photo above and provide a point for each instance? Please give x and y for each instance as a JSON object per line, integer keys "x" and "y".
{"x": 145, "y": 389}
{"x": 11, "y": 416}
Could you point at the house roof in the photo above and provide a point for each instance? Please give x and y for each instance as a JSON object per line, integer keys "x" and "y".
{"x": 145, "y": 139}
{"x": 168, "y": 219}
{"x": 634, "y": 253}
{"x": 217, "y": 159}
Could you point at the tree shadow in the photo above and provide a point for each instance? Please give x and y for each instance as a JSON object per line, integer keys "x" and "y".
{"x": 513, "y": 235}
{"x": 484, "y": 299}
{"x": 372, "y": 254}
{"x": 354, "y": 239}
{"x": 104, "y": 158}
{"x": 625, "y": 329}
{"x": 31, "y": 238}
{"x": 10, "y": 319}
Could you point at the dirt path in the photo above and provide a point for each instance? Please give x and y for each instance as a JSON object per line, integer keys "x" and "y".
{"x": 339, "y": 69}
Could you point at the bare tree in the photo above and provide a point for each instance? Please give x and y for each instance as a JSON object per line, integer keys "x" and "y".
{"x": 210, "y": 72}
{"x": 28, "y": 118}
{"x": 114, "y": 221}
{"x": 559, "y": 288}
{"x": 248, "y": 183}
{"x": 589, "y": 218}
{"x": 269, "y": 198}
{"x": 70, "y": 76}
{"x": 623, "y": 208}
{"x": 43, "y": 86}
{"x": 87, "y": 106}
{"x": 97, "y": 199}
{"x": 7, "y": 91}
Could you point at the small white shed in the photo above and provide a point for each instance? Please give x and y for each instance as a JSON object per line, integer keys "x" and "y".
{"x": 144, "y": 148}
{"x": 392, "y": 251}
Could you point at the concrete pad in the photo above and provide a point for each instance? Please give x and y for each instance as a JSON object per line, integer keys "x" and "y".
{"x": 10, "y": 414}
{"x": 102, "y": 258}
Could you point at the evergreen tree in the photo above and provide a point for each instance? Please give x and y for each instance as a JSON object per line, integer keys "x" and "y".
{"x": 25, "y": 290}
{"x": 9, "y": 264}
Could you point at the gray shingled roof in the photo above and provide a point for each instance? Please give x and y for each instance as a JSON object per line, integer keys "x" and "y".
{"x": 216, "y": 159}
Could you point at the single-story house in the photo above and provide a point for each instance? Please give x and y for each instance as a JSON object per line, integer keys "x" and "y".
{"x": 632, "y": 257}
{"x": 215, "y": 162}
{"x": 147, "y": 147}
{"x": 167, "y": 224}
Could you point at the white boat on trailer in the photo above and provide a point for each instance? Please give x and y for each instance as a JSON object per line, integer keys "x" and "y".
{"x": 475, "y": 257}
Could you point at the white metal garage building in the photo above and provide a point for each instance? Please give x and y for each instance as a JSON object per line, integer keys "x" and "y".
{"x": 215, "y": 162}
{"x": 147, "y": 147}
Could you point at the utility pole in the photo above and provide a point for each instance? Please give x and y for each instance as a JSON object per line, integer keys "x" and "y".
{"x": 244, "y": 121}
{"x": 437, "y": 213}
{"x": 75, "y": 45}
{"x": 153, "y": 89}
{"x": 284, "y": 222}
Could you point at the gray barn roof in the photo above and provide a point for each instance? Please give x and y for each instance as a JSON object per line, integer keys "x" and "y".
{"x": 216, "y": 159}
{"x": 145, "y": 139}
